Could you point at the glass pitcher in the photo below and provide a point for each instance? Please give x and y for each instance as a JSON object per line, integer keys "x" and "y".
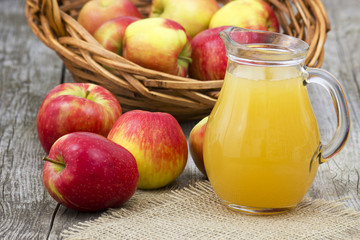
{"x": 262, "y": 144}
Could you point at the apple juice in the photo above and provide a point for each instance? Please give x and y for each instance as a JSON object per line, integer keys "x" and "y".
{"x": 249, "y": 157}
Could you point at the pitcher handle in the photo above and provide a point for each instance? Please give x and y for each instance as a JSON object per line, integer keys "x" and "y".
{"x": 333, "y": 87}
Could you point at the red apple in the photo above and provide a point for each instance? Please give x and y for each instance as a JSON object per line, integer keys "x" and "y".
{"x": 193, "y": 15}
{"x": 72, "y": 107}
{"x": 110, "y": 35}
{"x": 196, "y": 139}
{"x": 159, "y": 44}
{"x": 208, "y": 55}
{"x": 157, "y": 142}
{"x": 96, "y": 12}
{"x": 88, "y": 172}
{"x": 251, "y": 14}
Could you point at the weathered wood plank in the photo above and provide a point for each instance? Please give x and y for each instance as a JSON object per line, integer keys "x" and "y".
{"x": 28, "y": 71}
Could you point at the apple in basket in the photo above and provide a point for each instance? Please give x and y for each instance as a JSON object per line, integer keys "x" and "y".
{"x": 87, "y": 172}
{"x": 193, "y": 15}
{"x": 251, "y": 14}
{"x": 196, "y": 139}
{"x": 157, "y": 142}
{"x": 72, "y": 107}
{"x": 96, "y": 12}
{"x": 110, "y": 34}
{"x": 159, "y": 44}
{"x": 208, "y": 55}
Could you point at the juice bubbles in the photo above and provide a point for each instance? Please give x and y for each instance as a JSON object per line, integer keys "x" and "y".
{"x": 262, "y": 143}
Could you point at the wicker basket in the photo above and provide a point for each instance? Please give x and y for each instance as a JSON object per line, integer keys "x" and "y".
{"x": 53, "y": 22}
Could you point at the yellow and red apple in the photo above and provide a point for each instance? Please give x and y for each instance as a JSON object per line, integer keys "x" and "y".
{"x": 193, "y": 15}
{"x": 251, "y": 14}
{"x": 87, "y": 172}
{"x": 208, "y": 55}
{"x": 159, "y": 44}
{"x": 196, "y": 141}
{"x": 157, "y": 142}
{"x": 72, "y": 107}
{"x": 110, "y": 35}
{"x": 96, "y": 12}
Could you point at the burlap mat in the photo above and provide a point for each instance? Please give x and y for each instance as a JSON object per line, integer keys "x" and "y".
{"x": 196, "y": 213}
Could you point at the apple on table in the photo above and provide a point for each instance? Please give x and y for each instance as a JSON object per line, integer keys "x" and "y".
{"x": 96, "y": 12}
{"x": 72, "y": 107}
{"x": 87, "y": 172}
{"x": 159, "y": 44}
{"x": 110, "y": 34}
{"x": 251, "y": 14}
{"x": 193, "y": 15}
{"x": 157, "y": 142}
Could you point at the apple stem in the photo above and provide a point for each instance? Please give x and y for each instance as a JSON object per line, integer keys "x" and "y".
{"x": 53, "y": 161}
{"x": 87, "y": 93}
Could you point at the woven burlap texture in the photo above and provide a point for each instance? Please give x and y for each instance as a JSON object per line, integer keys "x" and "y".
{"x": 196, "y": 213}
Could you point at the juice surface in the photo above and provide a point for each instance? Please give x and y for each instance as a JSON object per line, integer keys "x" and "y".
{"x": 262, "y": 143}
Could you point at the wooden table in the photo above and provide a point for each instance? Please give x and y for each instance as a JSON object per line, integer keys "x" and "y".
{"x": 29, "y": 70}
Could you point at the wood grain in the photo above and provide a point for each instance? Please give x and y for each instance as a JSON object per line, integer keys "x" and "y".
{"x": 29, "y": 70}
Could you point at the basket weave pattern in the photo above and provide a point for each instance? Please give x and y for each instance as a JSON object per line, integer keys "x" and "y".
{"x": 53, "y": 22}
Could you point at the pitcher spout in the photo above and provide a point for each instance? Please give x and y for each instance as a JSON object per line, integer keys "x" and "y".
{"x": 225, "y": 36}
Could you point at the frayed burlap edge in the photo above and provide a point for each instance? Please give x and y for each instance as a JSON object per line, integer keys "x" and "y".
{"x": 196, "y": 213}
